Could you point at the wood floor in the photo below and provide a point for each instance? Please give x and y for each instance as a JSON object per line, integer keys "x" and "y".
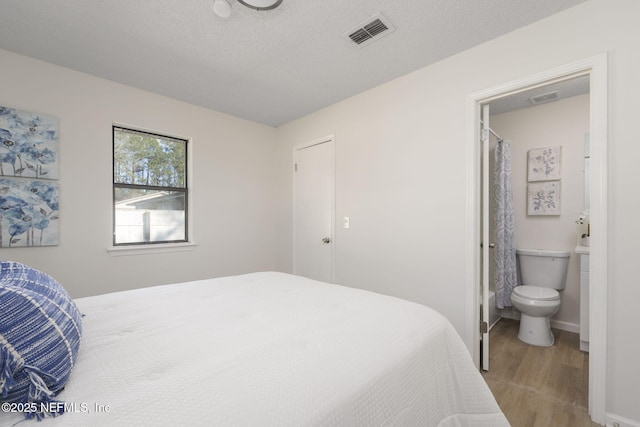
{"x": 539, "y": 386}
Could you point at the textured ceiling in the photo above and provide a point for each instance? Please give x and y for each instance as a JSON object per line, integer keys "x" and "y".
{"x": 271, "y": 66}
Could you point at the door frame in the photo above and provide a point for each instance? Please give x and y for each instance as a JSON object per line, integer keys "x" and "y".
{"x": 329, "y": 139}
{"x": 596, "y": 68}
{"x": 486, "y": 239}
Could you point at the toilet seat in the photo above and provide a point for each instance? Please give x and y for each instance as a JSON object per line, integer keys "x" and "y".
{"x": 536, "y": 293}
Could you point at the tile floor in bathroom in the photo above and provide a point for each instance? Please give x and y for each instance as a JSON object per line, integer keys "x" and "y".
{"x": 539, "y": 386}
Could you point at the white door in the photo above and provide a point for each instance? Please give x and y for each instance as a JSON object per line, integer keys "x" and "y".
{"x": 486, "y": 239}
{"x": 313, "y": 210}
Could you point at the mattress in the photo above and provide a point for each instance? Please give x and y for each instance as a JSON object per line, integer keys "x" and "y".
{"x": 268, "y": 349}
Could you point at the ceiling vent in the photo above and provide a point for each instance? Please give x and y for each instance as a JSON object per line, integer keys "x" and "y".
{"x": 373, "y": 28}
{"x": 545, "y": 97}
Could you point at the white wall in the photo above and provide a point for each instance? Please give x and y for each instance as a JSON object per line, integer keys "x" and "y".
{"x": 232, "y": 186}
{"x": 400, "y": 172}
{"x": 562, "y": 123}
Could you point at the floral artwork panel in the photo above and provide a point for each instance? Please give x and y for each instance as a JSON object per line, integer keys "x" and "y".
{"x": 28, "y": 213}
{"x": 28, "y": 144}
{"x": 544, "y": 164}
{"x": 543, "y": 198}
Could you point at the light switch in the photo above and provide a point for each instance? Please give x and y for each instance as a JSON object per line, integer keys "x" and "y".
{"x": 346, "y": 222}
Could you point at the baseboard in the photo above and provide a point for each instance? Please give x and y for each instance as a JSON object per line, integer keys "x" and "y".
{"x": 584, "y": 346}
{"x": 613, "y": 420}
{"x": 557, "y": 324}
{"x": 494, "y": 322}
{"x": 507, "y": 313}
{"x": 565, "y": 326}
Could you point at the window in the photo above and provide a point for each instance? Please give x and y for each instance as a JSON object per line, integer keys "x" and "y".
{"x": 149, "y": 188}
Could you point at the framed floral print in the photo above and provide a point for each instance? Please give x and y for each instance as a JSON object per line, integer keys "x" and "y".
{"x": 543, "y": 198}
{"x": 28, "y": 213}
{"x": 29, "y": 190}
{"x": 544, "y": 164}
{"x": 28, "y": 144}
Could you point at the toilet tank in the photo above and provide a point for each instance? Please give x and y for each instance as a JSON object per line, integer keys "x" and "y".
{"x": 543, "y": 268}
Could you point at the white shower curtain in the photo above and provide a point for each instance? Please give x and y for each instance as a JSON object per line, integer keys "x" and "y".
{"x": 504, "y": 233}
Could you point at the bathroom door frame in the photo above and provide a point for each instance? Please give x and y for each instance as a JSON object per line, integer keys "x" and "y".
{"x": 596, "y": 68}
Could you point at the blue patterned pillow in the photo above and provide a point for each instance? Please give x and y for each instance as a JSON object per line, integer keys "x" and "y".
{"x": 40, "y": 330}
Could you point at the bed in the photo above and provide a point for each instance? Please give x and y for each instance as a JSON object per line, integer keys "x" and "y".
{"x": 267, "y": 349}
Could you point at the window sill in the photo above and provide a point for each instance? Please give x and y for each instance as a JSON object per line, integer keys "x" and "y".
{"x": 150, "y": 249}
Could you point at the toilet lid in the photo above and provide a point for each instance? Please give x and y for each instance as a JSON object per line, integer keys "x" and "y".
{"x": 536, "y": 292}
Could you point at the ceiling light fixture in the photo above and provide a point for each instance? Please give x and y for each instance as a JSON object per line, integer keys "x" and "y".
{"x": 222, "y": 8}
{"x": 261, "y": 4}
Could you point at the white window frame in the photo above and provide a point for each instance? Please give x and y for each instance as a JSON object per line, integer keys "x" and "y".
{"x": 141, "y": 249}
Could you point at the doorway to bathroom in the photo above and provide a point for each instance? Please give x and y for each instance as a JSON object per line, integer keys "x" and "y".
{"x": 545, "y": 131}
{"x": 593, "y": 72}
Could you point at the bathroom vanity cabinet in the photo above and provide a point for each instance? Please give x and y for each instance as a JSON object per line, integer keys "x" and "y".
{"x": 584, "y": 297}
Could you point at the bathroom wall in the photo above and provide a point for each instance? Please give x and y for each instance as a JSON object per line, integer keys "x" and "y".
{"x": 562, "y": 123}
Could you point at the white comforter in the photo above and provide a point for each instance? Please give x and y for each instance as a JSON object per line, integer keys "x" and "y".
{"x": 268, "y": 349}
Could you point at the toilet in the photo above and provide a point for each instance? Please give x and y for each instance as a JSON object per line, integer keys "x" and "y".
{"x": 543, "y": 274}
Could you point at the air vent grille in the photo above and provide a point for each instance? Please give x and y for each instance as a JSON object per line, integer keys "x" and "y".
{"x": 545, "y": 97}
{"x": 371, "y": 29}
{"x": 360, "y": 36}
{"x": 375, "y": 28}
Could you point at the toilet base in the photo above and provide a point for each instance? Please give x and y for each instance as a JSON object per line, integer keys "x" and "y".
{"x": 535, "y": 331}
